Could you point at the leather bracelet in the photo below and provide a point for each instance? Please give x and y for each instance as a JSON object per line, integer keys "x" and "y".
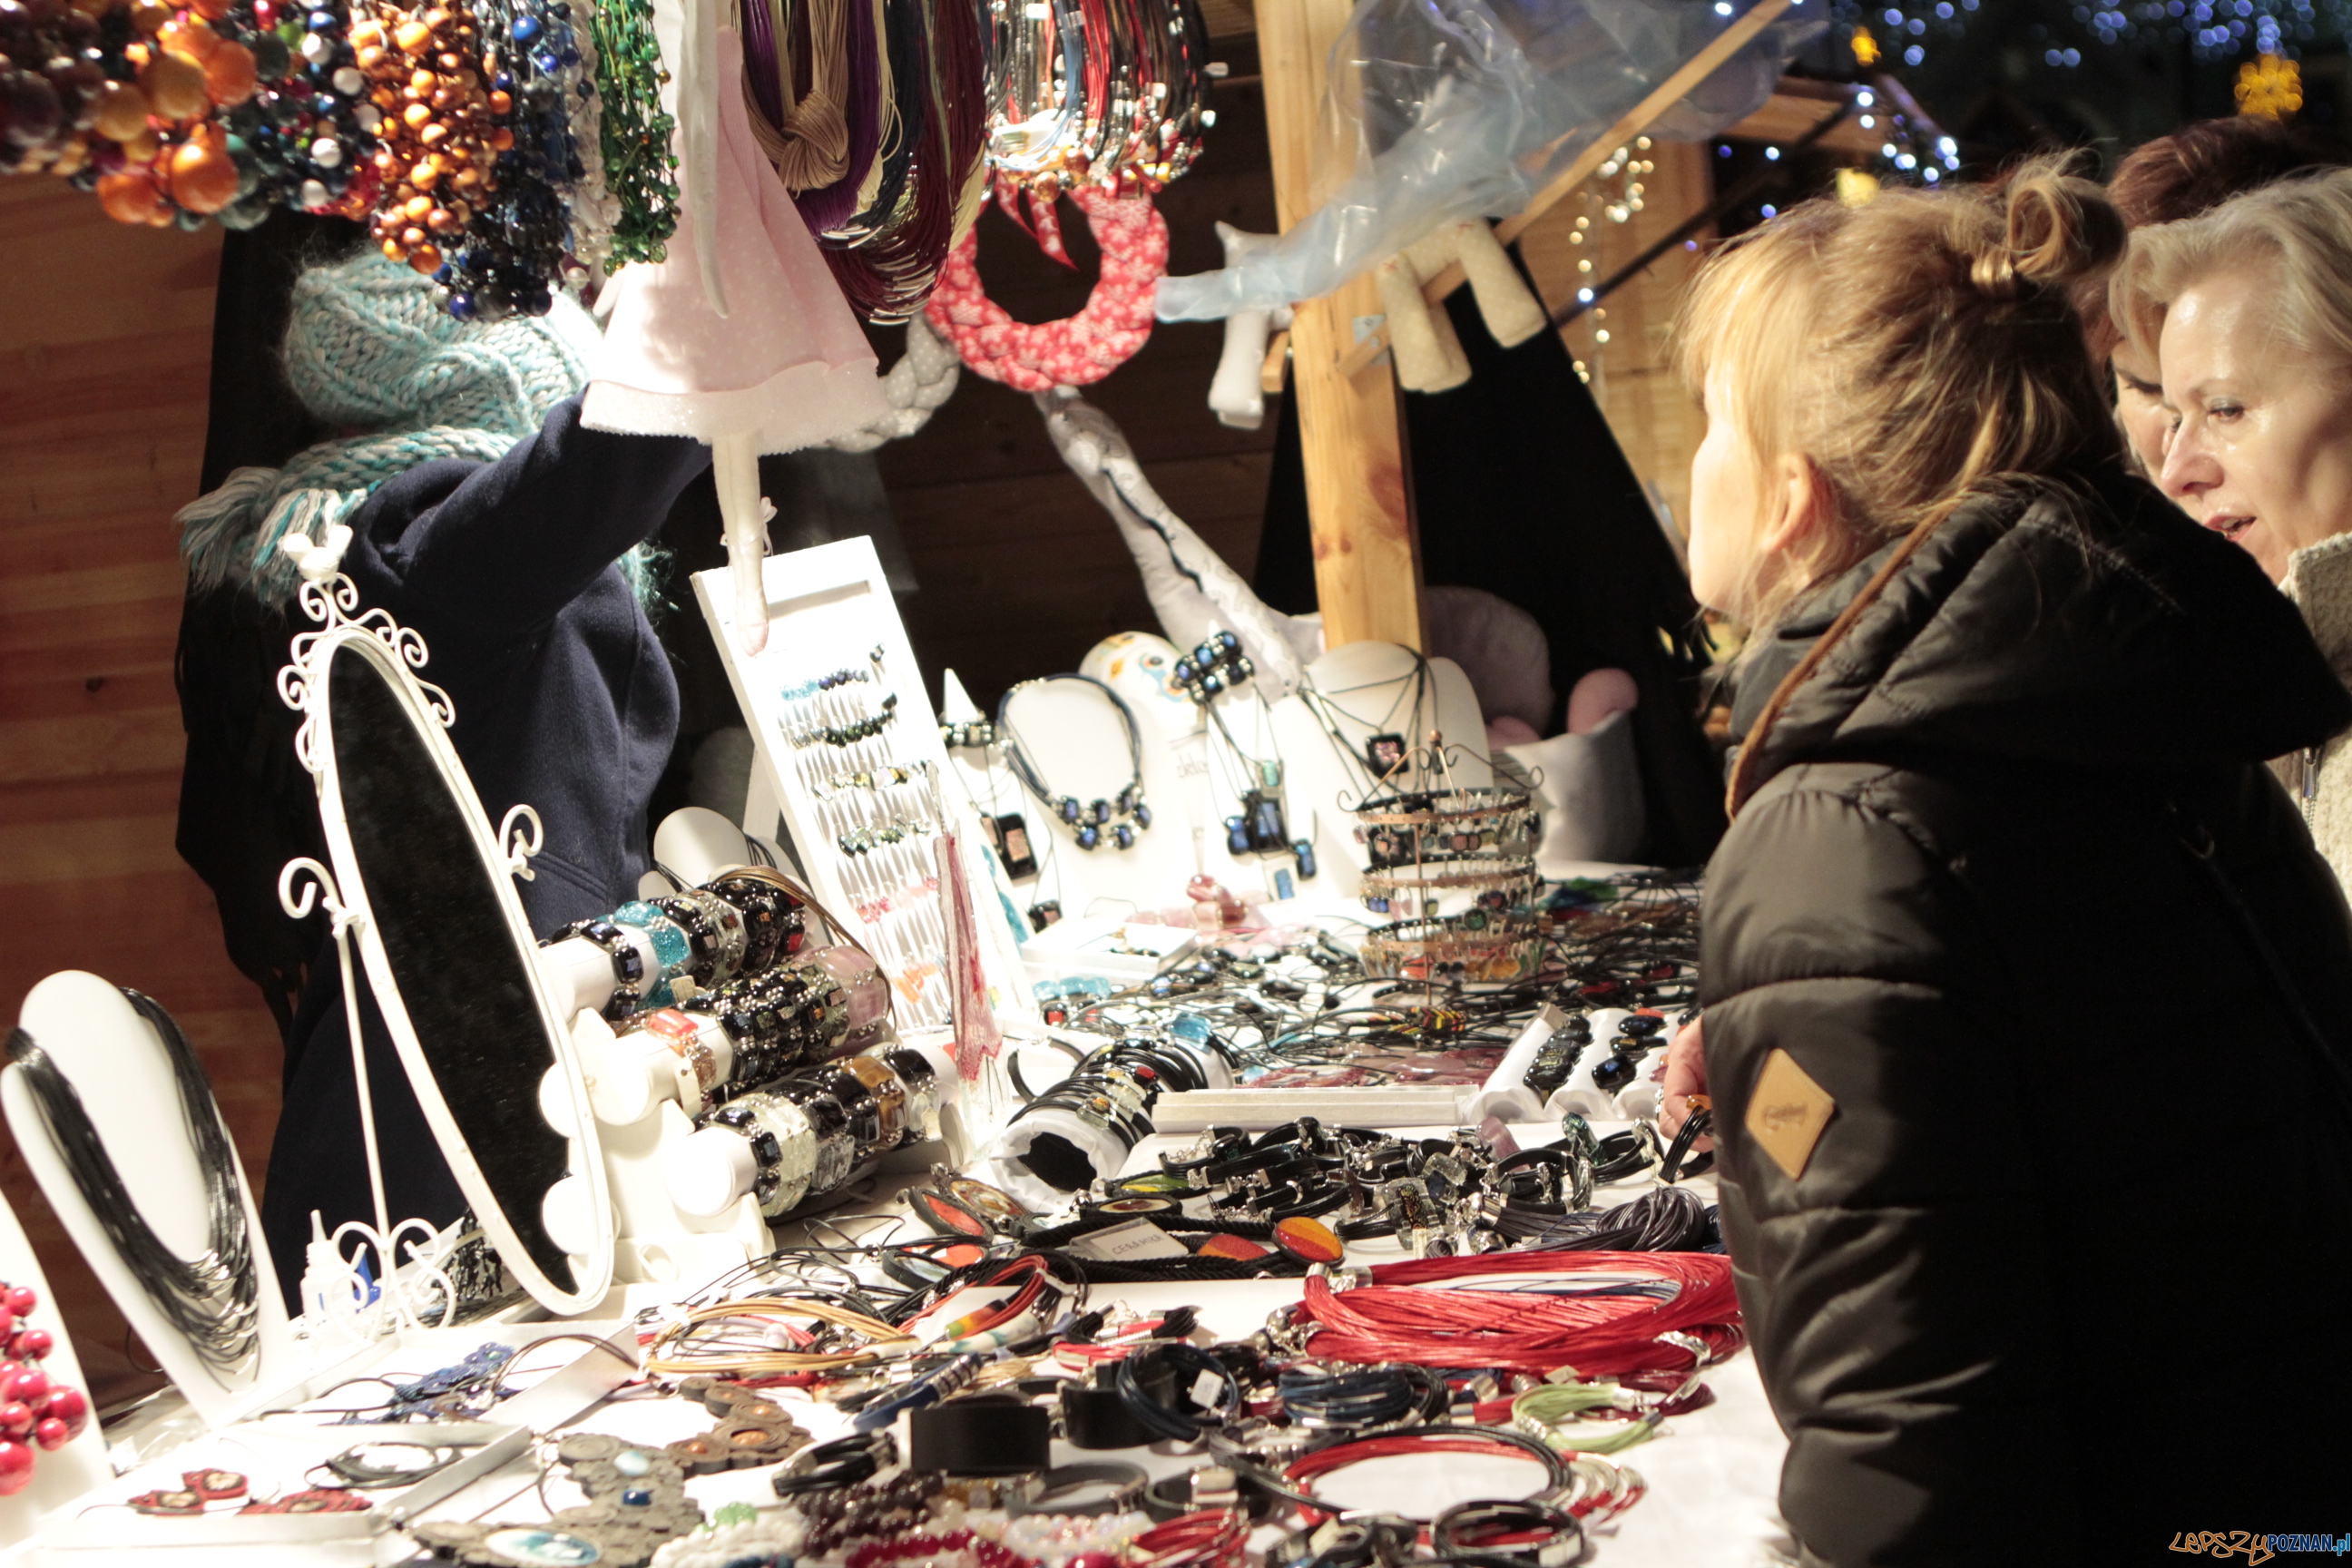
{"x": 1184, "y": 1368}
{"x": 1696, "y": 1126}
{"x": 987, "y": 1435}
{"x": 1623, "y": 1154}
{"x": 1532, "y": 1534}
{"x": 1053, "y": 1493}
{"x": 1094, "y": 1418}
{"x": 844, "y": 1462}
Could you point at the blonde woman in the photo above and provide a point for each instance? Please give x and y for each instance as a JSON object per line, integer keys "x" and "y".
{"x": 2248, "y": 312}
{"x": 2194, "y": 170}
{"x": 2007, "y": 886}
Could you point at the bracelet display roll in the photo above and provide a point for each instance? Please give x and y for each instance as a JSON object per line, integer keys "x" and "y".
{"x": 628, "y": 964}
{"x": 740, "y": 925}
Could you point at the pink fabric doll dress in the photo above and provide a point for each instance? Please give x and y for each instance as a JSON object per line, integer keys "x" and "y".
{"x": 786, "y": 366}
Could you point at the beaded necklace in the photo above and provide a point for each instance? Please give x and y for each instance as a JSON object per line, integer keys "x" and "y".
{"x": 511, "y": 258}
{"x": 639, "y": 166}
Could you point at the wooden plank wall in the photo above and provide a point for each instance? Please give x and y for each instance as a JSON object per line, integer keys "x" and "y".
{"x": 106, "y": 341}
{"x": 1021, "y": 570}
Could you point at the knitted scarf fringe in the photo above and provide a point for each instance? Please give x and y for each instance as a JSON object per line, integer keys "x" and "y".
{"x": 230, "y": 537}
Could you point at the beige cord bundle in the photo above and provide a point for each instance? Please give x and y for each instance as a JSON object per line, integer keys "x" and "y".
{"x": 670, "y": 1358}
{"x": 811, "y": 149}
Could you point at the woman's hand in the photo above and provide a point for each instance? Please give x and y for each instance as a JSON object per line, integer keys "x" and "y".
{"x": 1686, "y": 1076}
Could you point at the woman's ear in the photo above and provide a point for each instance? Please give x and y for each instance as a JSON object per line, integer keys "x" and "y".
{"x": 1801, "y": 502}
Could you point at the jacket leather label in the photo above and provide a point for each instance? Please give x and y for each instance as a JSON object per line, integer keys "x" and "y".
{"x": 1787, "y": 1112}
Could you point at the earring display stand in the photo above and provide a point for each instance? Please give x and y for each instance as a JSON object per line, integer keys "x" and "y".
{"x": 124, "y": 1076}
{"x": 836, "y": 694}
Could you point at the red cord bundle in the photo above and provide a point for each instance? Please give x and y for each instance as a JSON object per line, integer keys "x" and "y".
{"x": 1393, "y": 1320}
{"x": 1212, "y": 1538}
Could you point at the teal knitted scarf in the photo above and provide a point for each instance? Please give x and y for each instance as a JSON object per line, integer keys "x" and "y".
{"x": 230, "y": 537}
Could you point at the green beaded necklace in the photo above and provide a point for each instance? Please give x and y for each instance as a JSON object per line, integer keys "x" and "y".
{"x": 636, "y": 133}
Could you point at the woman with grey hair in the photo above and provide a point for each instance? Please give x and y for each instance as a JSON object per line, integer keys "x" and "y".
{"x": 2247, "y": 310}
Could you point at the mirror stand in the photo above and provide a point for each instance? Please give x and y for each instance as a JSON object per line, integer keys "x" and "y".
{"x": 422, "y": 890}
{"x": 341, "y": 1295}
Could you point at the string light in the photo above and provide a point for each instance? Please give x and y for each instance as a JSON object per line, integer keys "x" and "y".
{"x": 2213, "y": 29}
{"x": 1615, "y": 194}
{"x": 2269, "y": 87}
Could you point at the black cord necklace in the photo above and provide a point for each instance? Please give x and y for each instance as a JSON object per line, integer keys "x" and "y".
{"x": 1261, "y": 827}
{"x": 1374, "y": 769}
{"x": 1123, "y": 817}
{"x": 212, "y": 1300}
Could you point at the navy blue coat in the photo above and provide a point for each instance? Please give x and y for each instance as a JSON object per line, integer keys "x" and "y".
{"x": 564, "y": 701}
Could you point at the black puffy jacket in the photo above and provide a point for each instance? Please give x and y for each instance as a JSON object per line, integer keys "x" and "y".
{"x": 2063, "y": 1274}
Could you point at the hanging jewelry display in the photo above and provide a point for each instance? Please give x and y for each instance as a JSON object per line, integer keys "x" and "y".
{"x": 1103, "y": 101}
{"x": 1117, "y": 821}
{"x": 1430, "y": 848}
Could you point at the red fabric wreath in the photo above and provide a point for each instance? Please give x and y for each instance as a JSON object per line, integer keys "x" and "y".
{"x": 1083, "y": 348}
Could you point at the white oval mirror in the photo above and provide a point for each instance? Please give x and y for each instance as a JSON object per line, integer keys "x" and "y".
{"x": 451, "y": 960}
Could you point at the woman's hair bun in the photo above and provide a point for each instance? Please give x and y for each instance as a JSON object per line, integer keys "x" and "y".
{"x": 2061, "y": 230}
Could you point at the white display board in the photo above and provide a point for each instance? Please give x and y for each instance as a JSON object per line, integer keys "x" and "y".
{"x": 830, "y": 614}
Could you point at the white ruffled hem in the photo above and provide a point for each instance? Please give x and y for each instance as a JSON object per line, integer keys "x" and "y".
{"x": 805, "y": 405}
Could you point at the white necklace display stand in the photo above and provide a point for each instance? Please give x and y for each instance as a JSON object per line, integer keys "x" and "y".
{"x": 1074, "y": 741}
{"x": 1362, "y": 689}
{"x": 124, "y": 1076}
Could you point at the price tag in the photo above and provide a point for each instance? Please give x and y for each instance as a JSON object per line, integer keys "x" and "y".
{"x": 1136, "y": 1239}
{"x": 1205, "y": 1389}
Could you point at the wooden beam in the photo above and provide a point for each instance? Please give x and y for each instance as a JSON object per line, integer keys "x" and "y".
{"x": 1788, "y": 117}
{"x": 1359, "y": 494}
{"x": 1635, "y": 121}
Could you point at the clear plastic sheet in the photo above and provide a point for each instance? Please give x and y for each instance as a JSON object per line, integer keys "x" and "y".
{"x": 1466, "y": 108}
